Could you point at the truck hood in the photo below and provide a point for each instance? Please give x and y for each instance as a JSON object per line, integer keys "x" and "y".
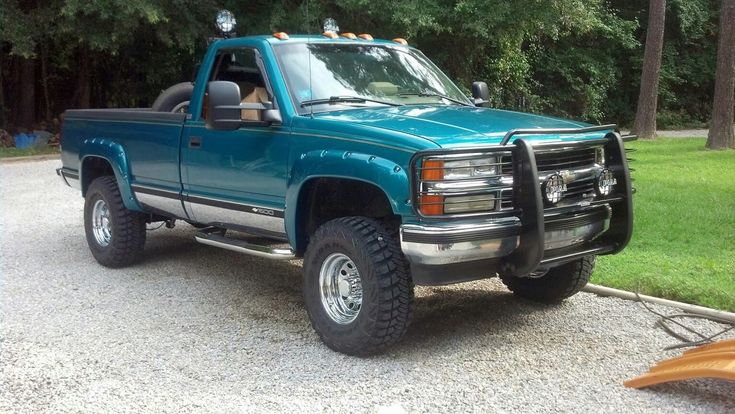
{"x": 450, "y": 126}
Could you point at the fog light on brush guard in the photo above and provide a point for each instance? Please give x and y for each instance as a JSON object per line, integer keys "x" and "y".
{"x": 554, "y": 188}
{"x": 606, "y": 181}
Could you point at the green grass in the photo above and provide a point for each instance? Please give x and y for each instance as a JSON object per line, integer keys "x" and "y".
{"x": 683, "y": 245}
{"x": 17, "y": 152}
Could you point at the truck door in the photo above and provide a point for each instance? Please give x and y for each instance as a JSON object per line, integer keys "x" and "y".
{"x": 237, "y": 179}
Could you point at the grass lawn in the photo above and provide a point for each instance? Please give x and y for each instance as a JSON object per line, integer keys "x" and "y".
{"x": 683, "y": 245}
{"x": 17, "y": 152}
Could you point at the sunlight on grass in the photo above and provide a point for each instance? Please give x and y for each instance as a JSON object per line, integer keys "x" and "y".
{"x": 683, "y": 245}
{"x": 24, "y": 152}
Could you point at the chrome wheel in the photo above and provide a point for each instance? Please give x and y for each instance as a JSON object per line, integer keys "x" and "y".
{"x": 341, "y": 288}
{"x": 101, "y": 226}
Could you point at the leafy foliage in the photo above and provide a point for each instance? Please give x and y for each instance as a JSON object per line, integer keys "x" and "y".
{"x": 572, "y": 58}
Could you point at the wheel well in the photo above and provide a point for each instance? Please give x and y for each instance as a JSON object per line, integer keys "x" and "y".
{"x": 325, "y": 199}
{"x": 93, "y": 168}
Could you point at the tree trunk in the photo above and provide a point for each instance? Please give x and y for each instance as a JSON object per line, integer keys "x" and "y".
{"x": 645, "y": 117}
{"x": 84, "y": 89}
{"x": 27, "y": 94}
{"x": 721, "y": 133}
{"x": 44, "y": 83}
{"x": 3, "y": 118}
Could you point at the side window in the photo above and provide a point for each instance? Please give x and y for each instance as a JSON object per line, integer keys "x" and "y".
{"x": 240, "y": 66}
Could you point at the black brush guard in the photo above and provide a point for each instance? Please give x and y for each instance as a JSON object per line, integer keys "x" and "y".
{"x": 530, "y": 254}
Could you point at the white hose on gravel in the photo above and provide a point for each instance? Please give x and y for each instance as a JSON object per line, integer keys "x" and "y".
{"x": 699, "y": 310}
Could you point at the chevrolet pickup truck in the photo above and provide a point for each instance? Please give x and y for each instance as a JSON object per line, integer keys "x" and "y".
{"x": 361, "y": 157}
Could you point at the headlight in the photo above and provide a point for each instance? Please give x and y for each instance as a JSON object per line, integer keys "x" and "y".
{"x": 465, "y": 204}
{"x": 600, "y": 156}
{"x": 606, "y": 181}
{"x": 477, "y": 167}
{"x": 471, "y": 184}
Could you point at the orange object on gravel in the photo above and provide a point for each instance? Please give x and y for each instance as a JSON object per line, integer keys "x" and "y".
{"x": 716, "y": 360}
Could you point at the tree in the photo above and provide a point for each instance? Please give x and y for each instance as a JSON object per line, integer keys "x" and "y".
{"x": 721, "y": 134}
{"x": 645, "y": 117}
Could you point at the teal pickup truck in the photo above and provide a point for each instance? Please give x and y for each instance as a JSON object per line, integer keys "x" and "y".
{"x": 361, "y": 157}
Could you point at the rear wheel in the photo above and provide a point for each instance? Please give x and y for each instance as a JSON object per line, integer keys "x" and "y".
{"x": 115, "y": 235}
{"x": 357, "y": 286}
{"x": 554, "y": 285}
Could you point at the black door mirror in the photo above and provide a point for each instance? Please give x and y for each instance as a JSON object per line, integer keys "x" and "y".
{"x": 225, "y": 108}
{"x": 224, "y": 101}
{"x": 480, "y": 92}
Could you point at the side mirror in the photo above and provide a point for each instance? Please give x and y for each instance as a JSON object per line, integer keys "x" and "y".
{"x": 480, "y": 92}
{"x": 272, "y": 116}
{"x": 224, "y": 101}
{"x": 225, "y": 108}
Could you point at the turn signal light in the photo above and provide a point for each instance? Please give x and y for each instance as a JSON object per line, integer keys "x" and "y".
{"x": 365, "y": 36}
{"x": 432, "y": 170}
{"x": 431, "y": 204}
{"x": 401, "y": 41}
{"x": 281, "y": 35}
{"x": 349, "y": 35}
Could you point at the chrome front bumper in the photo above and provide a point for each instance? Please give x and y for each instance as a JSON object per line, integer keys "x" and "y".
{"x": 447, "y": 253}
{"x": 447, "y": 244}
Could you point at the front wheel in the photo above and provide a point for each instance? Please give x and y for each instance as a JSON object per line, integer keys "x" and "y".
{"x": 357, "y": 286}
{"x": 115, "y": 235}
{"x": 554, "y": 285}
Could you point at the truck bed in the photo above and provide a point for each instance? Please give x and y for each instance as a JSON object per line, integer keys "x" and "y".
{"x": 150, "y": 141}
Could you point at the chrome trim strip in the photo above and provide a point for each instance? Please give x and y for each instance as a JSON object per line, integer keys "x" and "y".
{"x": 220, "y": 216}
{"x": 69, "y": 177}
{"x": 166, "y": 205}
{"x": 233, "y": 205}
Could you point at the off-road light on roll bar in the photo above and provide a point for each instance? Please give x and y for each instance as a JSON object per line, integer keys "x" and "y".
{"x": 226, "y": 22}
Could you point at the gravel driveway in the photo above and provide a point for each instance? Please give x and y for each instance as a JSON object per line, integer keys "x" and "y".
{"x": 194, "y": 328}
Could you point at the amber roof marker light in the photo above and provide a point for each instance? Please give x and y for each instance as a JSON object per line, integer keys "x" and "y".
{"x": 400, "y": 41}
{"x": 281, "y": 35}
{"x": 365, "y": 36}
{"x": 330, "y": 28}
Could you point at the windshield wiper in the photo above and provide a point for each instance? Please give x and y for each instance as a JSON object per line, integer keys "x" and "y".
{"x": 434, "y": 94}
{"x": 346, "y": 99}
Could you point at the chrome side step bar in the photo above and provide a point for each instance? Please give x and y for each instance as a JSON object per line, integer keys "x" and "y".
{"x": 215, "y": 236}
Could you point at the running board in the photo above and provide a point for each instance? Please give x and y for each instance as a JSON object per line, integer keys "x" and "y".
{"x": 215, "y": 236}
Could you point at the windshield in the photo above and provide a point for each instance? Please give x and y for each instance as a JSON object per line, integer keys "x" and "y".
{"x": 380, "y": 74}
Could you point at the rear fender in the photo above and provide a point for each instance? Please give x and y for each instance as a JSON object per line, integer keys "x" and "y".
{"x": 115, "y": 155}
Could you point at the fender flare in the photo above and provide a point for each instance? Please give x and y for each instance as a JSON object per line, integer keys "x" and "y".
{"x": 114, "y": 154}
{"x": 388, "y": 176}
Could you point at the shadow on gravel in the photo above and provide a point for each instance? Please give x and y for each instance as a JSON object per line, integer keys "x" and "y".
{"x": 442, "y": 314}
{"x": 699, "y": 389}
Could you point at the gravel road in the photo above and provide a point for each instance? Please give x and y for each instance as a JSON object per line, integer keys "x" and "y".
{"x": 194, "y": 328}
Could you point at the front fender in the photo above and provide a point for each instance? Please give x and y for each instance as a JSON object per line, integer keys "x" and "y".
{"x": 114, "y": 153}
{"x": 387, "y": 175}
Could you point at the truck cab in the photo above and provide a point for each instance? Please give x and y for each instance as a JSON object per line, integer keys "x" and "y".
{"x": 361, "y": 157}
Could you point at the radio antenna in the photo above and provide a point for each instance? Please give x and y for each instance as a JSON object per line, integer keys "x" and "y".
{"x": 308, "y": 48}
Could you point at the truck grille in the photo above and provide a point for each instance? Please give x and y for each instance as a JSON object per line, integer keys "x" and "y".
{"x": 558, "y": 160}
{"x": 565, "y": 160}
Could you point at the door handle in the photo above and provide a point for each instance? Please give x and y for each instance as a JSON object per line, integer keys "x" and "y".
{"x": 195, "y": 142}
